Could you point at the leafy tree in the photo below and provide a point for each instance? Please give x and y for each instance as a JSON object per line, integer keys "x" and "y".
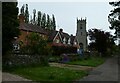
{"x": 39, "y": 18}
{"x": 37, "y": 45}
{"x": 9, "y": 25}
{"x": 26, "y": 14}
{"x": 114, "y": 17}
{"x": 43, "y": 22}
{"x": 53, "y": 22}
{"x": 100, "y": 40}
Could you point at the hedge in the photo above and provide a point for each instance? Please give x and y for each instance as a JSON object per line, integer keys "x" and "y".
{"x": 58, "y": 50}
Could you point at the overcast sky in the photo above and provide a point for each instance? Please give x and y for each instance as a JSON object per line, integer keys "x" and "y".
{"x": 67, "y": 12}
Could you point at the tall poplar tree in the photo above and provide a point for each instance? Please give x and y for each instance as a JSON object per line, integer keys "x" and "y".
{"x": 43, "y": 22}
{"x": 34, "y": 16}
{"x": 26, "y": 14}
{"x": 22, "y": 10}
{"x": 48, "y": 22}
{"x": 39, "y": 18}
{"x": 53, "y": 22}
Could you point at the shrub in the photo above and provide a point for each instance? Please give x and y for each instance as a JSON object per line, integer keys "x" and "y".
{"x": 58, "y": 50}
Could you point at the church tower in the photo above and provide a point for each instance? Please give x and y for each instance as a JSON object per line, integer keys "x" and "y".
{"x": 81, "y": 33}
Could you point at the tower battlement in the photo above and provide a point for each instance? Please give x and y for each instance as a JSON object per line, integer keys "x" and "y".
{"x": 81, "y": 20}
{"x": 81, "y": 33}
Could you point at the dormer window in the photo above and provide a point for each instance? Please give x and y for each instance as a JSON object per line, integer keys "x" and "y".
{"x": 75, "y": 43}
{"x": 69, "y": 41}
{"x": 57, "y": 40}
{"x": 64, "y": 40}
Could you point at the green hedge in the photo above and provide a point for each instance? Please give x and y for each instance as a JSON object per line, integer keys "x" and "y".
{"x": 58, "y": 50}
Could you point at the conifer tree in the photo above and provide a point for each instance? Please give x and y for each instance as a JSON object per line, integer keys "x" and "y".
{"x": 39, "y": 18}
{"x": 22, "y": 10}
{"x": 48, "y": 22}
{"x": 53, "y": 23}
{"x": 26, "y": 14}
{"x": 34, "y": 16}
{"x": 43, "y": 25}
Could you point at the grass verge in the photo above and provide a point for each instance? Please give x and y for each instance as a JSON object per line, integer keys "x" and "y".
{"x": 92, "y": 61}
{"x": 49, "y": 73}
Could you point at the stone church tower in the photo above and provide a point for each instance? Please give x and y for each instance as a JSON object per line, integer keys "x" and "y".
{"x": 81, "y": 33}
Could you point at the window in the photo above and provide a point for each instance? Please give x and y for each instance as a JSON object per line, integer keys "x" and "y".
{"x": 64, "y": 40}
{"x": 80, "y": 27}
{"x": 16, "y": 47}
{"x": 57, "y": 41}
{"x": 69, "y": 41}
{"x": 81, "y": 33}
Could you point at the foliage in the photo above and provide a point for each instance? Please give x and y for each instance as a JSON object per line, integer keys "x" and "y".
{"x": 34, "y": 15}
{"x": 53, "y": 23}
{"x": 22, "y": 10}
{"x": 37, "y": 44}
{"x": 48, "y": 25}
{"x": 39, "y": 18}
{"x": 92, "y": 61}
{"x": 9, "y": 25}
{"x": 26, "y": 14}
{"x": 43, "y": 22}
{"x": 58, "y": 50}
{"x": 49, "y": 74}
{"x": 100, "y": 40}
{"x": 114, "y": 16}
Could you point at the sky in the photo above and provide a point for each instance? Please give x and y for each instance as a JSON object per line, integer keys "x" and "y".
{"x": 66, "y": 14}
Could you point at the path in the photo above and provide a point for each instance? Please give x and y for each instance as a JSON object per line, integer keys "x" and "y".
{"x": 75, "y": 67}
{"x": 12, "y": 77}
{"x": 105, "y": 72}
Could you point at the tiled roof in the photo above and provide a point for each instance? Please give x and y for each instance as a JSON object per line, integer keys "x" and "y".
{"x": 33, "y": 28}
{"x": 51, "y": 34}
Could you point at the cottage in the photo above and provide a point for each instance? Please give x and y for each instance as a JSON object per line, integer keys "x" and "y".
{"x": 55, "y": 38}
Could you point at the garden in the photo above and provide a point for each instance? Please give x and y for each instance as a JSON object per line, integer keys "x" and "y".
{"x": 33, "y": 62}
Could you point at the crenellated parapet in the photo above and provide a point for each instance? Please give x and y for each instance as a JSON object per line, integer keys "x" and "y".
{"x": 81, "y": 20}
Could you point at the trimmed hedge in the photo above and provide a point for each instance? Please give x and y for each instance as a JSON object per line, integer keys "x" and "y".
{"x": 58, "y": 50}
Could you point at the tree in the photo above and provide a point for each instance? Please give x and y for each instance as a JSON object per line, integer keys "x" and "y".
{"x": 39, "y": 18}
{"x": 37, "y": 45}
{"x": 48, "y": 22}
{"x": 43, "y": 21}
{"x": 22, "y": 10}
{"x": 9, "y": 25}
{"x": 114, "y": 17}
{"x": 100, "y": 40}
{"x": 34, "y": 16}
{"x": 26, "y": 14}
{"x": 53, "y": 22}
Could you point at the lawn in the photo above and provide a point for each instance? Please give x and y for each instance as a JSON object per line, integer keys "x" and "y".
{"x": 92, "y": 61}
{"x": 49, "y": 73}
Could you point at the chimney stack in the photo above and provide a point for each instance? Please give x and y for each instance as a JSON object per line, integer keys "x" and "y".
{"x": 61, "y": 30}
{"x": 21, "y": 18}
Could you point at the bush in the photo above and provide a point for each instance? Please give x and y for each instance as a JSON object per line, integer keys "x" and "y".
{"x": 58, "y": 50}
